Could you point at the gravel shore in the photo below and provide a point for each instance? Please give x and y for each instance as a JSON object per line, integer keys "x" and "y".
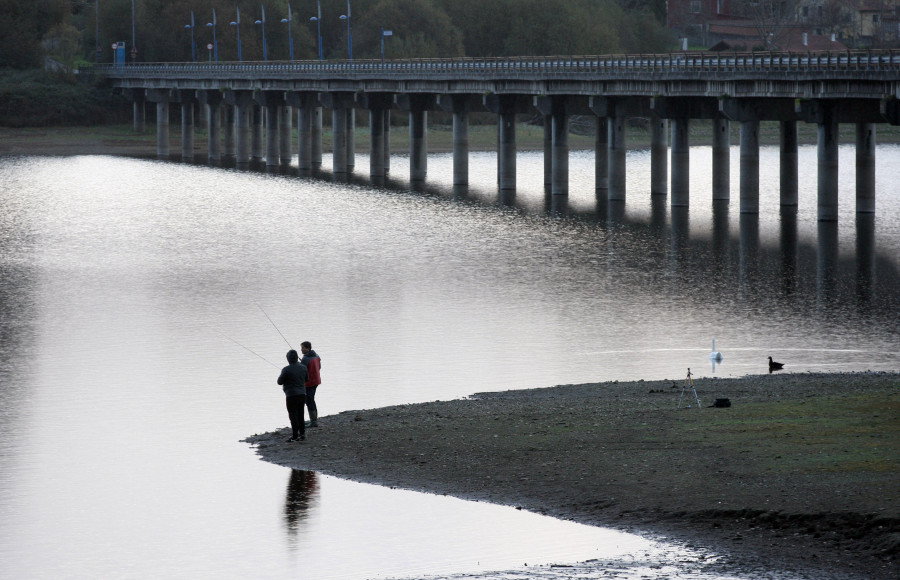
{"x": 801, "y": 474}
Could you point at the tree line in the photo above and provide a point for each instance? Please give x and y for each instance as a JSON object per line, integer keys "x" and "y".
{"x": 72, "y": 31}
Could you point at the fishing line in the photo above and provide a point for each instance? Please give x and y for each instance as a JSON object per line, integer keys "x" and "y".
{"x": 273, "y": 325}
{"x": 247, "y": 349}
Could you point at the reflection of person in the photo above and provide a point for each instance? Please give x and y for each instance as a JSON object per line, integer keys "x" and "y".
{"x": 292, "y": 380}
{"x": 302, "y": 490}
{"x": 313, "y": 365}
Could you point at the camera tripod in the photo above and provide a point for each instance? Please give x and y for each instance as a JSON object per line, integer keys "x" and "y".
{"x": 688, "y": 381}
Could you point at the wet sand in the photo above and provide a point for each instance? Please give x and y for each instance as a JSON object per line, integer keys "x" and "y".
{"x": 801, "y": 475}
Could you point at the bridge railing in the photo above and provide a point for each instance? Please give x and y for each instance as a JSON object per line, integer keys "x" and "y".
{"x": 883, "y": 61}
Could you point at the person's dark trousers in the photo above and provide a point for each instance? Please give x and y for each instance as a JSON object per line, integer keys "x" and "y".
{"x": 311, "y": 405}
{"x": 295, "y": 406}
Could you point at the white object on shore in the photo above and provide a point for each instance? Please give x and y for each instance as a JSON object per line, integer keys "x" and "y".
{"x": 715, "y": 355}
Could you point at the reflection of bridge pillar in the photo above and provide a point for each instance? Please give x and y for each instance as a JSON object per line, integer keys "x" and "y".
{"x": 659, "y": 150}
{"x": 865, "y": 167}
{"x": 749, "y": 248}
{"x": 865, "y": 255}
{"x": 316, "y": 137}
{"x": 285, "y": 129}
{"x": 460, "y": 105}
{"x": 788, "y": 162}
{"x": 721, "y": 158}
{"x": 750, "y": 166}
{"x": 826, "y": 259}
{"x": 789, "y": 249}
{"x": 828, "y": 164}
{"x": 161, "y": 98}
{"x": 681, "y": 162}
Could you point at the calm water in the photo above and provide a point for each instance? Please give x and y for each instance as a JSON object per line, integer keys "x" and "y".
{"x": 132, "y": 292}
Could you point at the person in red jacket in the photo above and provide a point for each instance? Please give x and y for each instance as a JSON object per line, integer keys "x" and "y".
{"x": 314, "y": 366}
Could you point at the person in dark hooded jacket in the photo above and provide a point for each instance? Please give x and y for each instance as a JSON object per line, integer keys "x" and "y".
{"x": 293, "y": 382}
{"x": 314, "y": 366}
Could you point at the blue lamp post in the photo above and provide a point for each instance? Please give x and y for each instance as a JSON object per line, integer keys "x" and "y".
{"x": 349, "y": 34}
{"x": 318, "y": 21}
{"x": 215, "y": 42}
{"x": 193, "y": 44}
{"x": 383, "y": 34}
{"x": 237, "y": 25}
{"x": 262, "y": 23}
{"x": 290, "y": 35}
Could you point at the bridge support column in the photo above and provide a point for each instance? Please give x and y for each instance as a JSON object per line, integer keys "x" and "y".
{"x": 376, "y": 104}
{"x": 828, "y": 164}
{"x": 212, "y": 101}
{"x": 243, "y": 104}
{"x": 601, "y": 157}
{"x": 306, "y": 105}
{"x": 548, "y": 150}
{"x": 659, "y": 162}
{"x": 351, "y": 139}
{"x": 865, "y": 167}
{"x": 721, "y": 158}
{"x": 461, "y": 147}
{"x": 316, "y": 138}
{"x": 339, "y": 140}
{"x": 161, "y": 98}
{"x": 139, "y": 116}
{"x": 560, "y": 185}
{"x": 787, "y": 153}
{"x": 617, "y": 148}
{"x": 387, "y": 141}
{"x": 418, "y": 144}
{"x": 507, "y": 154}
{"x": 272, "y": 134}
{"x": 228, "y": 124}
{"x": 256, "y": 134}
{"x": 187, "y": 130}
{"x": 285, "y": 128}
{"x": 750, "y": 166}
{"x": 681, "y": 162}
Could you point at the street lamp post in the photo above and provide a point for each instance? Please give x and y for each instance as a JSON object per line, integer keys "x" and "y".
{"x": 215, "y": 42}
{"x": 262, "y": 23}
{"x": 349, "y": 33}
{"x": 193, "y": 45}
{"x": 383, "y": 34}
{"x": 237, "y": 24}
{"x": 290, "y": 35}
{"x": 99, "y": 52}
{"x": 133, "y": 45}
{"x": 318, "y": 21}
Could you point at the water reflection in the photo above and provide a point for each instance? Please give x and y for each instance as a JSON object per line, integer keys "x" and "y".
{"x": 301, "y": 496}
{"x": 865, "y": 257}
{"x": 789, "y": 244}
{"x": 827, "y": 262}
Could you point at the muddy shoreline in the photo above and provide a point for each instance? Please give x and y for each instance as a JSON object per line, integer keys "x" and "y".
{"x": 800, "y": 475}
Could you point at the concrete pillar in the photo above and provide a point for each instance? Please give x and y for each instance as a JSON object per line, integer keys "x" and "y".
{"x": 617, "y": 149}
{"x": 749, "y": 167}
{"x": 285, "y": 128}
{"x": 788, "y": 177}
{"x": 659, "y": 158}
{"x": 387, "y": 141}
{"x": 339, "y": 138}
{"x": 214, "y": 137}
{"x": 229, "y": 150}
{"x": 162, "y": 129}
{"x": 242, "y": 116}
{"x": 418, "y": 144}
{"x": 865, "y": 167}
{"x": 316, "y": 137}
{"x": 139, "y": 115}
{"x": 681, "y": 162}
{"x": 721, "y": 158}
{"x": 828, "y": 165}
{"x": 548, "y": 150}
{"x": 560, "y": 178}
{"x": 461, "y": 147}
{"x": 601, "y": 156}
{"x": 187, "y": 131}
{"x": 506, "y": 155}
{"x": 256, "y": 134}
{"x": 272, "y": 134}
{"x": 351, "y": 139}
{"x": 376, "y": 143}
{"x": 304, "y": 140}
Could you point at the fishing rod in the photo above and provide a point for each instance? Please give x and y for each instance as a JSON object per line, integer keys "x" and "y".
{"x": 275, "y": 327}
{"x": 247, "y": 349}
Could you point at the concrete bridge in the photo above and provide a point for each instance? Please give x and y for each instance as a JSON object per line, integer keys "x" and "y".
{"x": 856, "y": 87}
